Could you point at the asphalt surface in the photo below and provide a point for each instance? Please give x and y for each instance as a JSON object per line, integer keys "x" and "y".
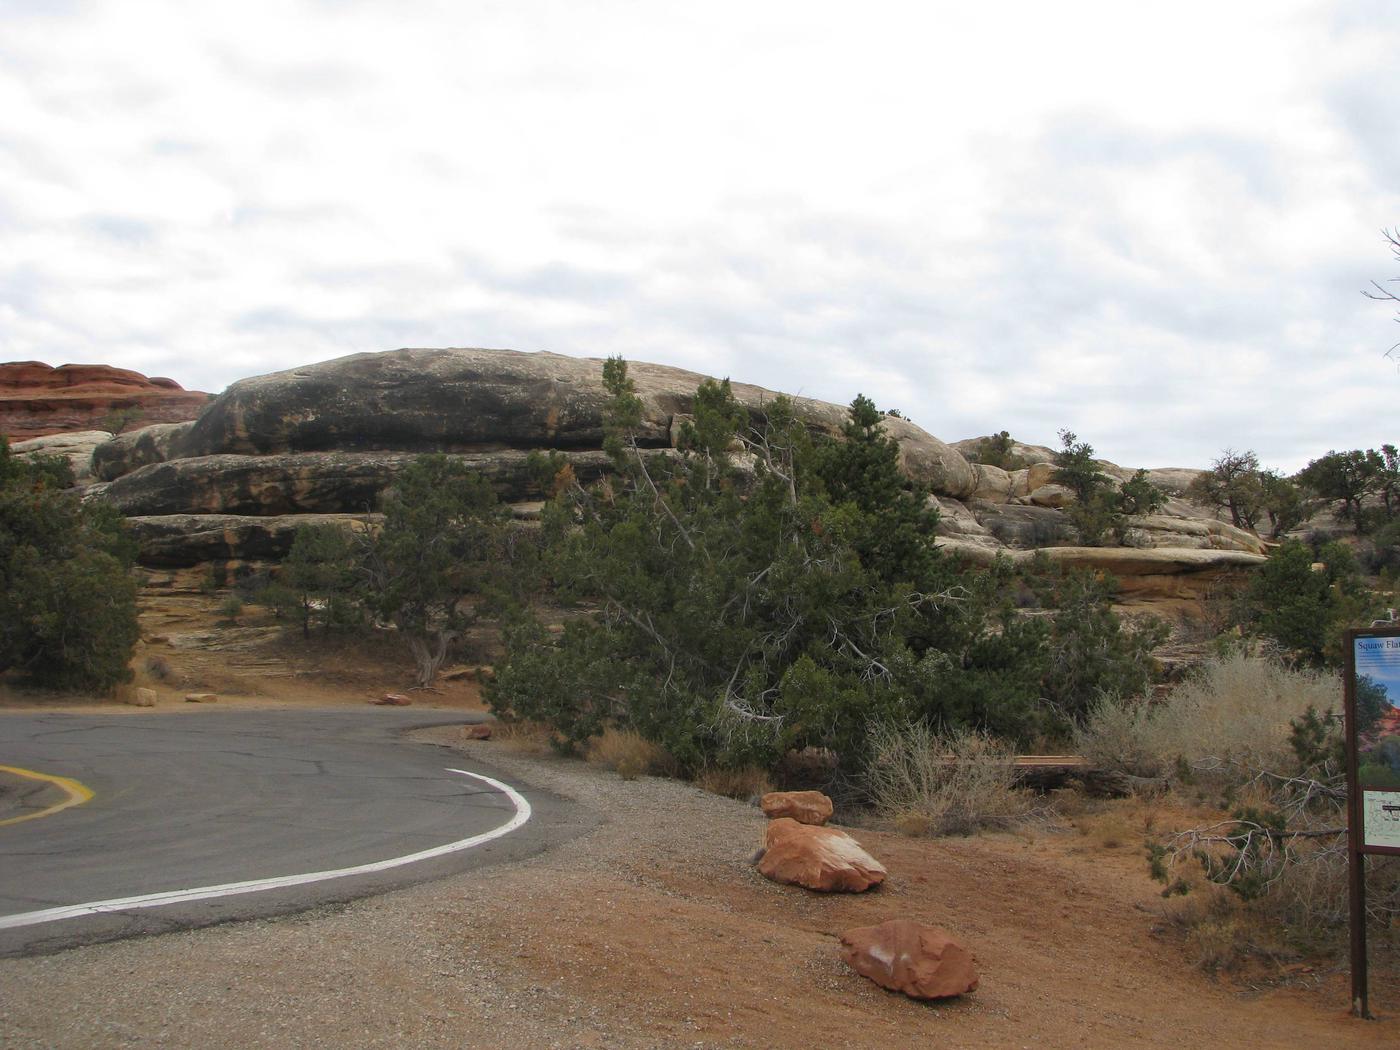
{"x": 185, "y": 801}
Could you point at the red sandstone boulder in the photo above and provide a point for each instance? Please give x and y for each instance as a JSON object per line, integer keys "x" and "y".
{"x": 477, "y": 731}
{"x": 805, "y": 807}
{"x": 923, "y": 962}
{"x": 37, "y": 400}
{"x": 817, "y": 858}
{"x": 392, "y": 700}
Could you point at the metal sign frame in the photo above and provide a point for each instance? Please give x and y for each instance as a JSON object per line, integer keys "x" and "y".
{"x": 1388, "y": 639}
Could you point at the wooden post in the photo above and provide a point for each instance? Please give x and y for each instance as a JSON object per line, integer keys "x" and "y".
{"x": 1356, "y": 862}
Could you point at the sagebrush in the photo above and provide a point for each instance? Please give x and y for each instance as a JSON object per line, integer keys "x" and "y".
{"x": 927, "y": 782}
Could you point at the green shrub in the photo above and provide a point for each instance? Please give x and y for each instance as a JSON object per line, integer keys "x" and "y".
{"x": 1302, "y": 609}
{"x": 67, "y": 594}
{"x": 735, "y": 614}
{"x": 998, "y": 451}
{"x": 1100, "y": 508}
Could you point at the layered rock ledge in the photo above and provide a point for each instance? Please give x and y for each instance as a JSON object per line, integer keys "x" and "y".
{"x": 324, "y": 441}
{"x": 37, "y": 400}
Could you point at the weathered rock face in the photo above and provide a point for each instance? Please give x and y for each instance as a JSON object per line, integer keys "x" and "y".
{"x": 921, "y": 961}
{"x": 1163, "y": 572}
{"x": 307, "y": 482}
{"x": 818, "y": 858}
{"x": 328, "y": 439}
{"x": 37, "y": 400}
{"x": 136, "y": 449}
{"x": 805, "y": 807}
{"x": 467, "y": 399}
{"x": 1173, "y": 480}
{"x": 1142, "y": 573}
{"x": 993, "y": 484}
{"x": 76, "y": 447}
{"x": 1181, "y": 530}
{"x": 1020, "y": 525}
{"x": 178, "y": 541}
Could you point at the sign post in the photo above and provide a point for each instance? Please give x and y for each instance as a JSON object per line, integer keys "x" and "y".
{"x": 1372, "y": 703}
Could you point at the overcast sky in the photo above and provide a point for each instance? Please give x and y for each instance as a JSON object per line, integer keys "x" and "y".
{"x": 1147, "y": 223}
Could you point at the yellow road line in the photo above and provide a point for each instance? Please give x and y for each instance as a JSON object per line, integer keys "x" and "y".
{"x": 77, "y": 793}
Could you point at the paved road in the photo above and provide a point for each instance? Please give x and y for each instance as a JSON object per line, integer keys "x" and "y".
{"x": 187, "y": 801}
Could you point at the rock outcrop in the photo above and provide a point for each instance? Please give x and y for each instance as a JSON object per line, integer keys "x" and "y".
{"x": 37, "y": 400}
{"x": 817, "y": 858}
{"x": 805, "y": 807}
{"x": 307, "y": 482}
{"x": 924, "y": 962}
{"x": 76, "y": 447}
{"x": 459, "y": 400}
{"x": 179, "y": 541}
{"x": 329, "y": 438}
{"x": 324, "y": 441}
{"x": 136, "y": 449}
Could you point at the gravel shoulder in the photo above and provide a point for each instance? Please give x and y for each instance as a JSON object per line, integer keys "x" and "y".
{"x": 654, "y": 931}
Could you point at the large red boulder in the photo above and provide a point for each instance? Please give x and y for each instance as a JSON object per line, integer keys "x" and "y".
{"x": 924, "y": 962}
{"x": 817, "y": 858}
{"x": 805, "y": 807}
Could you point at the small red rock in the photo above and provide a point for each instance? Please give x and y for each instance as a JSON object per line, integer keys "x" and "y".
{"x": 477, "y": 731}
{"x": 923, "y": 962}
{"x": 805, "y": 807}
{"x": 817, "y": 858}
{"x": 392, "y": 700}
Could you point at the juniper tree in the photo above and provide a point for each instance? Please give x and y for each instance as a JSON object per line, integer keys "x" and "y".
{"x": 67, "y": 594}
{"x": 442, "y": 525}
{"x": 760, "y": 589}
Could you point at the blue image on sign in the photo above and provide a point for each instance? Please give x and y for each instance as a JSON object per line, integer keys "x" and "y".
{"x": 1377, "y": 713}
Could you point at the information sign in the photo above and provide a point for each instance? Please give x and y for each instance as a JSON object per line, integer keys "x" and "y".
{"x": 1372, "y": 695}
{"x": 1375, "y": 733}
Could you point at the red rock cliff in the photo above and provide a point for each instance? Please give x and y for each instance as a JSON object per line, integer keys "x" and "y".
{"x": 37, "y": 400}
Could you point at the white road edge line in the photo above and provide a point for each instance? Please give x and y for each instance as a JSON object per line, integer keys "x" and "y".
{"x": 231, "y": 889}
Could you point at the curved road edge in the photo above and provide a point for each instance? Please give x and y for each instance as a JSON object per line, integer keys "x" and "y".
{"x": 230, "y": 889}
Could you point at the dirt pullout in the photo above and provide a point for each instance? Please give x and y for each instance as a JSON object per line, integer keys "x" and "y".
{"x": 190, "y": 644}
{"x": 654, "y": 931}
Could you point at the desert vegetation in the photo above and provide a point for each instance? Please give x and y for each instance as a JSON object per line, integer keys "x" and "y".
{"x": 1258, "y": 742}
{"x": 764, "y": 604}
{"x": 67, "y": 591}
{"x": 765, "y": 591}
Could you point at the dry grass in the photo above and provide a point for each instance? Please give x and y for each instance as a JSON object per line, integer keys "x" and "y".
{"x": 928, "y": 783}
{"x": 157, "y": 668}
{"x": 525, "y": 738}
{"x": 627, "y": 753}
{"x": 1237, "y": 708}
{"x": 746, "y": 783}
{"x": 1126, "y": 824}
{"x": 1221, "y": 933}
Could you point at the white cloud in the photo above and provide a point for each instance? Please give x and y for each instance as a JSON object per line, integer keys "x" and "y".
{"x": 1149, "y": 226}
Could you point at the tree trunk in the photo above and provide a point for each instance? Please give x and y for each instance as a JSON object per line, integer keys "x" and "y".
{"x": 429, "y": 654}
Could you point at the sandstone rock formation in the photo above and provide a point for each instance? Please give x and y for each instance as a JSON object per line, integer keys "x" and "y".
{"x": 466, "y": 399}
{"x": 135, "y": 449}
{"x": 37, "y": 400}
{"x": 307, "y": 482}
{"x": 805, "y": 807}
{"x": 924, "y": 962}
{"x": 323, "y": 442}
{"x": 76, "y": 447}
{"x": 176, "y": 541}
{"x": 818, "y": 858}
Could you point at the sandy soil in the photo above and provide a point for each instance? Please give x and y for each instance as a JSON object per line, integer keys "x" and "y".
{"x": 654, "y": 931}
